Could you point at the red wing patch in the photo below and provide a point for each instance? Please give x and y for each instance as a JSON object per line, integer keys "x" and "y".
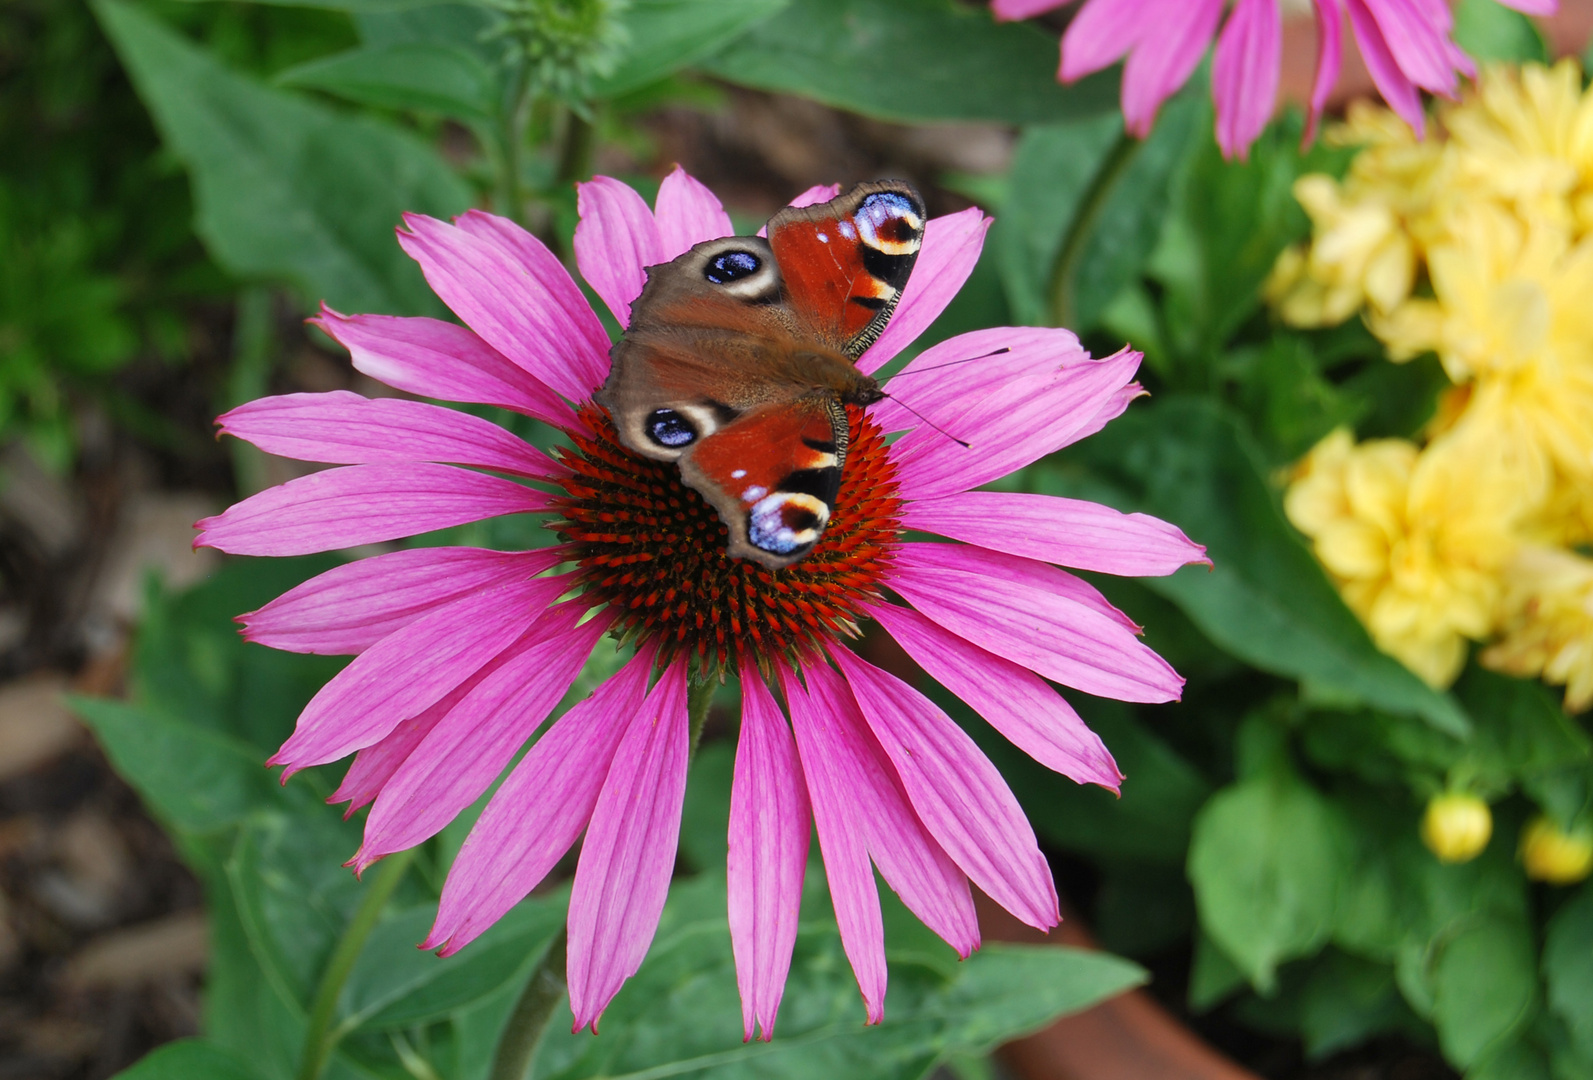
{"x": 773, "y": 474}
{"x": 846, "y": 261}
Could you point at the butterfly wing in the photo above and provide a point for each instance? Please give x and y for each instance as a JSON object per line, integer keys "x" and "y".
{"x": 845, "y": 262}
{"x": 773, "y": 474}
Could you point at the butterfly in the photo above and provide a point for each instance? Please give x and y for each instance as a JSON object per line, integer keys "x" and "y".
{"x": 740, "y": 360}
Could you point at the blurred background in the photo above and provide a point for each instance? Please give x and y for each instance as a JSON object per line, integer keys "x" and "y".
{"x": 181, "y": 183}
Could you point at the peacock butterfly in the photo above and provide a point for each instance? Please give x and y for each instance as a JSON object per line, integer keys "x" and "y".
{"x": 739, "y": 361}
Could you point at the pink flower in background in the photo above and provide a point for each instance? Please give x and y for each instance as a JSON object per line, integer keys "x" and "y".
{"x": 462, "y": 653}
{"x": 1406, "y": 45}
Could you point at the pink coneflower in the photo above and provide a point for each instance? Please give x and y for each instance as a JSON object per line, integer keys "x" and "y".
{"x": 1406, "y": 45}
{"x": 462, "y": 653}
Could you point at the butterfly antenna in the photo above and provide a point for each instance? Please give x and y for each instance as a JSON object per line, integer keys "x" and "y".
{"x": 960, "y": 442}
{"x": 951, "y": 363}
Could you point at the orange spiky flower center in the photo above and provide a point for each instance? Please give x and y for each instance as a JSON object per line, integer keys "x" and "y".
{"x": 653, "y": 551}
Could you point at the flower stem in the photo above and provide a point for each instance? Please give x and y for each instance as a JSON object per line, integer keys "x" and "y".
{"x": 320, "y": 1037}
{"x": 575, "y": 156}
{"x": 699, "y": 699}
{"x": 511, "y": 141}
{"x": 1064, "y": 272}
{"x": 543, "y": 991}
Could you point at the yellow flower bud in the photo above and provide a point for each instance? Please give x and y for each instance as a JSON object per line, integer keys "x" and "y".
{"x": 1555, "y": 855}
{"x": 1456, "y": 827}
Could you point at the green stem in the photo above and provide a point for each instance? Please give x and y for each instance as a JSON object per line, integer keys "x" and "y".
{"x": 321, "y": 1037}
{"x": 542, "y": 993}
{"x": 511, "y": 142}
{"x": 1064, "y": 272}
{"x": 699, "y": 699}
{"x": 575, "y": 157}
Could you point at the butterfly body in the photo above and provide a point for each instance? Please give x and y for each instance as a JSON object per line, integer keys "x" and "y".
{"x": 739, "y": 362}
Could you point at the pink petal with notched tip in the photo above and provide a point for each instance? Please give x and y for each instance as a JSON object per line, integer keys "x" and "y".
{"x": 950, "y": 249}
{"x": 615, "y": 239}
{"x": 910, "y": 860}
{"x": 687, "y": 214}
{"x": 510, "y": 289}
{"x": 351, "y": 607}
{"x": 1400, "y": 93}
{"x": 955, "y": 792}
{"x": 1012, "y": 699}
{"x": 1329, "y": 58}
{"x": 1166, "y": 54}
{"x": 1032, "y": 618}
{"x": 539, "y": 810}
{"x": 1035, "y": 416}
{"x": 348, "y": 429}
{"x": 437, "y": 359}
{"x": 818, "y": 193}
{"x": 409, "y": 670}
{"x": 1072, "y": 532}
{"x": 464, "y": 753}
{"x": 1244, "y": 74}
{"x": 1100, "y": 34}
{"x": 375, "y": 764}
{"x": 362, "y": 504}
{"x": 628, "y": 856}
{"x": 1013, "y": 10}
{"x": 945, "y": 379}
{"x": 769, "y": 824}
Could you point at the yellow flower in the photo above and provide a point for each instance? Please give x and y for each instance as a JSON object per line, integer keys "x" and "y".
{"x": 1527, "y": 136}
{"x": 1556, "y": 855}
{"x": 1414, "y": 540}
{"x": 1456, "y": 827}
{"x": 1548, "y": 622}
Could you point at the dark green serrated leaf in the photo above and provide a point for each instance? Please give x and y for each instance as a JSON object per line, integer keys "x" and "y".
{"x": 287, "y": 189}
{"x": 1266, "y": 600}
{"x": 193, "y": 779}
{"x": 1268, "y": 859}
{"x": 189, "y": 1059}
{"x": 435, "y": 77}
{"x": 912, "y": 60}
{"x": 667, "y": 35}
{"x": 1568, "y": 967}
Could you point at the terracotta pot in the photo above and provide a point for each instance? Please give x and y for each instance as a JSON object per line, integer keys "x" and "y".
{"x": 1130, "y": 1037}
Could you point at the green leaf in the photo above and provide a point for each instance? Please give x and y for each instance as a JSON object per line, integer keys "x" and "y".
{"x": 1490, "y": 31}
{"x": 190, "y": 662}
{"x": 1521, "y": 731}
{"x": 705, "y": 820}
{"x": 436, "y": 77}
{"x": 667, "y": 35}
{"x": 285, "y": 188}
{"x": 189, "y": 1059}
{"x": 1051, "y": 170}
{"x": 193, "y": 779}
{"x": 1346, "y": 1001}
{"x": 1485, "y": 984}
{"x": 1266, "y": 600}
{"x": 912, "y": 60}
{"x": 680, "y": 1013}
{"x": 394, "y": 984}
{"x": 1124, "y": 231}
{"x": 1568, "y": 967}
{"x": 1268, "y": 859}
{"x": 294, "y": 897}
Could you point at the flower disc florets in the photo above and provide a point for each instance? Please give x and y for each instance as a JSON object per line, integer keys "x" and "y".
{"x": 653, "y": 550}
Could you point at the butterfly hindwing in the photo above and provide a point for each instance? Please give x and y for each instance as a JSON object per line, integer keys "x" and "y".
{"x": 845, "y": 262}
{"x": 773, "y": 474}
